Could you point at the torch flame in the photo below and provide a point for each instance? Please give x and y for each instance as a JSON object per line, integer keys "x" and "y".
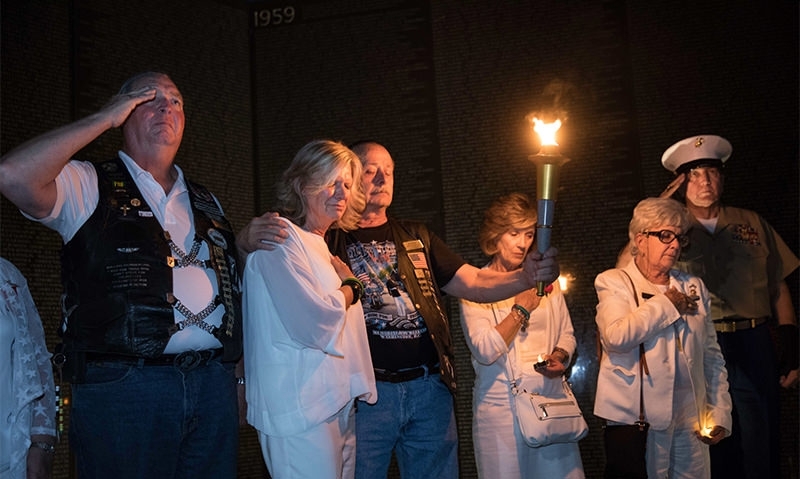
{"x": 546, "y": 131}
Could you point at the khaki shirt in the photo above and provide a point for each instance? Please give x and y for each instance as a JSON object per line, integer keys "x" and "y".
{"x": 741, "y": 263}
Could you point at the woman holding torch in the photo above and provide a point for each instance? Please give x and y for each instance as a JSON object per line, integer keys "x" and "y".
{"x": 527, "y": 336}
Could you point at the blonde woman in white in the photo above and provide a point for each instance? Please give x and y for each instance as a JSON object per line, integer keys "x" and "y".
{"x": 306, "y": 355}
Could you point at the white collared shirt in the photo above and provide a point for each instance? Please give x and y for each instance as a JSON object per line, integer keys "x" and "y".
{"x": 77, "y": 198}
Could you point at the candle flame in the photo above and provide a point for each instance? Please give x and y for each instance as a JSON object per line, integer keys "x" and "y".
{"x": 564, "y": 280}
{"x": 540, "y": 358}
{"x": 546, "y": 131}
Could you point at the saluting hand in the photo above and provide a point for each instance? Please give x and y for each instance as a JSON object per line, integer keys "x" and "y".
{"x": 120, "y": 107}
{"x": 673, "y": 186}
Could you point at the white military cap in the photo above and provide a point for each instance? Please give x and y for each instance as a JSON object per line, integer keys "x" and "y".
{"x": 701, "y": 150}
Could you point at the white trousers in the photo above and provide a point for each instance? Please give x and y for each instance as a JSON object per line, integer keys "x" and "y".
{"x": 676, "y": 452}
{"x": 326, "y": 451}
{"x": 501, "y": 452}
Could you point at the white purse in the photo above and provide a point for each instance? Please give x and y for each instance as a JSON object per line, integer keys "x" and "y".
{"x": 548, "y": 419}
{"x": 545, "y": 419}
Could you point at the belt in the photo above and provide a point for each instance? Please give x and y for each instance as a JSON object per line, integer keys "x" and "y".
{"x": 403, "y": 375}
{"x": 186, "y": 360}
{"x": 733, "y": 324}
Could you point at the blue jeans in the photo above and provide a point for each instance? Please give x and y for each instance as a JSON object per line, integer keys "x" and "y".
{"x": 415, "y": 419}
{"x": 152, "y": 421}
{"x": 752, "y": 450}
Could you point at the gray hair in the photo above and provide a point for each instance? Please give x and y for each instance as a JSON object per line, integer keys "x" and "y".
{"x": 653, "y": 213}
{"x": 127, "y": 87}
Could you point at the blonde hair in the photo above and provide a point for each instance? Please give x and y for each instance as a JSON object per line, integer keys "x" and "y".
{"x": 315, "y": 167}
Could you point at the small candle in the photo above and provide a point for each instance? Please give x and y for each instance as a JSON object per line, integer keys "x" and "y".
{"x": 541, "y": 363}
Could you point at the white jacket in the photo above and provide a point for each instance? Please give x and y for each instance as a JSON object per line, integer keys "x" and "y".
{"x": 622, "y": 326}
{"x": 305, "y": 353}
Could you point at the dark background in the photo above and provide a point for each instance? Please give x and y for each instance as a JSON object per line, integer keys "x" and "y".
{"x": 446, "y": 85}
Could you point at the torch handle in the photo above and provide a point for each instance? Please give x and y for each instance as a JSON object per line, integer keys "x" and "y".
{"x": 545, "y": 210}
{"x": 542, "y": 231}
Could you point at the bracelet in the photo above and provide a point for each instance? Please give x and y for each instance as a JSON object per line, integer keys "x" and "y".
{"x": 524, "y": 314}
{"x": 44, "y": 446}
{"x": 564, "y": 361}
{"x": 240, "y": 380}
{"x": 357, "y": 286}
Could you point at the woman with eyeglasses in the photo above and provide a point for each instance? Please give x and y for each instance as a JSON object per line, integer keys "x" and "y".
{"x": 683, "y": 381}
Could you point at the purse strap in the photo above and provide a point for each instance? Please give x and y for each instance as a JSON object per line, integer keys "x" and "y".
{"x": 643, "y": 369}
{"x": 512, "y": 379}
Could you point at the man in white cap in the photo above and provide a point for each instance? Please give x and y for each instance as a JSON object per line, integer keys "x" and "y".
{"x": 744, "y": 263}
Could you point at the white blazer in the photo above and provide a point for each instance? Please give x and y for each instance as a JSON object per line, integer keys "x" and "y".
{"x": 622, "y": 326}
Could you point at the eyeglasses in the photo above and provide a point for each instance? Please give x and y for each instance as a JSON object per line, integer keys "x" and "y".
{"x": 667, "y": 237}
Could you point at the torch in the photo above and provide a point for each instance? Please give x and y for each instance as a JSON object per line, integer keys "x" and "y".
{"x": 548, "y": 163}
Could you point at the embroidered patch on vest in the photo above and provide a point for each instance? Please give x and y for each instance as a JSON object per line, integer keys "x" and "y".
{"x": 217, "y": 238}
{"x": 204, "y": 201}
{"x": 418, "y": 260}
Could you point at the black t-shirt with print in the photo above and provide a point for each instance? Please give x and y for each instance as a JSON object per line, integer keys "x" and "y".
{"x": 398, "y": 336}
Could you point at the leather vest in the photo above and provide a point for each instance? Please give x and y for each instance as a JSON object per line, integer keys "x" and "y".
{"x": 117, "y": 272}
